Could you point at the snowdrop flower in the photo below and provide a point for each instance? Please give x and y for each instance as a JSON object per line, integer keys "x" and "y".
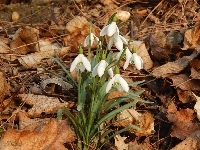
{"x": 118, "y": 41}
{"x": 128, "y": 57}
{"x": 100, "y": 69}
{"x": 92, "y": 38}
{"x": 137, "y": 60}
{"x": 81, "y": 63}
{"x": 110, "y": 29}
{"x": 119, "y": 82}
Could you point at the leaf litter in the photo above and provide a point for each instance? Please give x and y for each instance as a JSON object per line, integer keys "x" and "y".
{"x": 167, "y": 38}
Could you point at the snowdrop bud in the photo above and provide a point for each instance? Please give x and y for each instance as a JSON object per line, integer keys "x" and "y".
{"x": 138, "y": 61}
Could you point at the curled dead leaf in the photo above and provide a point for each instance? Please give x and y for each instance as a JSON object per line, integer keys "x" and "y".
{"x": 58, "y": 81}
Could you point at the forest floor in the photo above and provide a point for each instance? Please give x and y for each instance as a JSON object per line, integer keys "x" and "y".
{"x": 166, "y": 35}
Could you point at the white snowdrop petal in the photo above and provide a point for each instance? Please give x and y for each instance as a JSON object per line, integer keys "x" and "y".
{"x": 128, "y": 54}
{"x": 110, "y": 43}
{"x": 109, "y": 85}
{"x": 126, "y": 64}
{"x": 75, "y": 62}
{"x": 81, "y": 67}
{"x": 124, "y": 84}
{"x": 119, "y": 54}
{"x": 101, "y": 67}
{"x": 138, "y": 61}
{"x": 96, "y": 38}
{"x": 123, "y": 40}
{"x": 86, "y": 42}
{"x": 119, "y": 88}
{"x": 104, "y": 31}
{"x": 110, "y": 72}
{"x": 118, "y": 43}
{"x": 86, "y": 62}
{"x": 94, "y": 71}
{"x": 112, "y": 28}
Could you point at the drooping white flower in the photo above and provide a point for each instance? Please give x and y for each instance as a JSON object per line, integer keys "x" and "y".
{"x": 137, "y": 60}
{"x": 92, "y": 37}
{"x": 109, "y": 29}
{"x": 100, "y": 69}
{"x": 81, "y": 63}
{"x": 128, "y": 57}
{"x": 118, "y": 41}
{"x": 119, "y": 83}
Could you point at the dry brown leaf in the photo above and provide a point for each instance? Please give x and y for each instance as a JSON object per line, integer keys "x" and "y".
{"x": 195, "y": 63}
{"x": 136, "y": 146}
{"x": 185, "y": 115}
{"x": 127, "y": 117}
{"x": 143, "y": 53}
{"x": 79, "y": 29}
{"x": 146, "y": 125}
{"x": 47, "y": 44}
{"x": 19, "y": 46}
{"x": 184, "y": 96}
{"x": 115, "y": 94}
{"x": 33, "y": 60}
{"x": 24, "y": 40}
{"x": 194, "y": 74}
{"x": 119, "y": 143}
{"x": 197, "y": 106}
{"x": 144, "y": 121}
{"x": 182, "y": 130}
{"x": 41, "y": 103}
{"x": 51, "y": 135}
{"x": 29, "y": 36}
{"x": 4, "y": 87}
{"x": 182, "y": 122}
{"x": 174, "y": 67}
{"x": 4, "y": 49}
{"x": 191, "y": 38}
{"x": 106, "y": 2}
{"x": 184, "y": 83}
{"x": 29, "y": 124}
{"x": 189, "y": 143}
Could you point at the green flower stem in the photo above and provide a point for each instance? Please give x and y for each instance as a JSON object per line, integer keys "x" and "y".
{"x": 79, "y": 144}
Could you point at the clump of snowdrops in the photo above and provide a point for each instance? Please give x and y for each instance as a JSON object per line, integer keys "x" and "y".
{"x": 97, "y": 77}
